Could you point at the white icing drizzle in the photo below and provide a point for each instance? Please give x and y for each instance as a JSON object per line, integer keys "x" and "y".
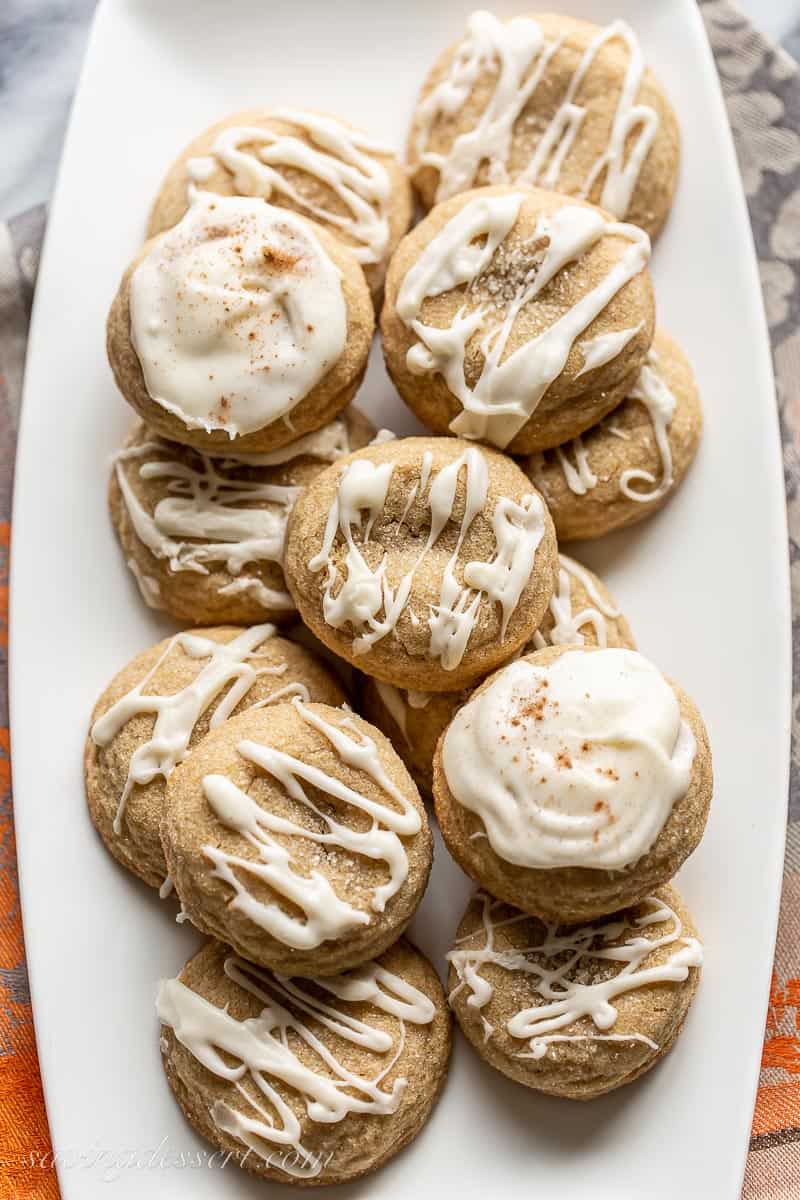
{"x": 652, "y": 391}
{"x": 149, "y": 587}
{"x": 519, "y": 54}
{"x": 394, "y": 701}
{"x": 580, "y": 478}
{"x": 328, "y": 444}
{"x": 230, "y": 665}
{"x": 262, "y": 1048}
{"x": 365, "y": 592}
{"x": 510, "y": 386}
{"x": 340, "y": 158}
{"x": 556, "y": 967}
{"x": 602, "y": 349}
{"x": 207, "y": 515}
{"x": 237, "y": 312}
{"x": 324, "y": 914}
{"x": 574, "y": 764}
{"x": 418, "y": 699}
{"x": 568, "y": 623}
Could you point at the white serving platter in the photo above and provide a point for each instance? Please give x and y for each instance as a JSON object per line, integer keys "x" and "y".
{"x": 705, "y": 585}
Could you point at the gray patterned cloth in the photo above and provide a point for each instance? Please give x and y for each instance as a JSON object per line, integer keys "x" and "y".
{"x": 761, "y": 83}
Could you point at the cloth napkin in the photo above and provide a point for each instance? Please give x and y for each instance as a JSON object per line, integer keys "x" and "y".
{"x": 761, "y": 83}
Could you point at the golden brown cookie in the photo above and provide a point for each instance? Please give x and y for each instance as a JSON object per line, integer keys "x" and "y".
{"x": 574, "y": 782}
{"x": 516, "y": 316}
{"x": 204, "y": 536}
{"x": 309, "y": 162}
{"x": 549, "y": 100}
{"x": 297, "y": 836}
{"x": 241, "y": 328}
{"x": 423, "y": 561}
{"x": 628, "y": 466}
{"x": 574, "y": 1011}
{"x": 581, "y": 611}
{"x": 306, "y": 1081}
{"x": 156, "y": 710}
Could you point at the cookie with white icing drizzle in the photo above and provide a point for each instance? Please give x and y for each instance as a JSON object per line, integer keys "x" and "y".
{"x": 552, "y": 101}
{"x": 574, "y": 1011}
{"x": 156, "y": 710}
{"x": 241, "y": 328}
{"x": 306, "y": 1081}
{"x": 309, "y": 162}
{"x": 581, "y": 612}
{"x": 297, "y": 836}
{"x": 516, "y": 316}
{"x": 626, "y": 467}
{"x": 204, "y": 536}
{"x": 573, "y": 782}
{"x": 423, "y": 561}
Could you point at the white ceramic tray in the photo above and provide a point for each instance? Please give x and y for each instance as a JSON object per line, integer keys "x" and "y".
{"x": 704, "y": 584}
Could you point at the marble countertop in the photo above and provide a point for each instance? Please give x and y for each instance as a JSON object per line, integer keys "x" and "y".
{"x": 41, "y": 47}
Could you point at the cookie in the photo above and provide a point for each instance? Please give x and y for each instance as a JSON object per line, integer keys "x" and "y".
{"x": 517, "y": 317}
{"x": 423, "y": 561}
{"x": 581, "y": 612}
{"x": 204, "y": 536}
{"x": 548, "y": 100}
{"x": 308, "y": 162}
{"x": 306, "y": 1081}
{"x": 241, "y": 328}
{"x": 574, "y": 1011}
{"x": 156, "y": 710}
{"x": 628, "y": 466}
{"x": 297, "y": 836}
{"x": 574, "y": 782}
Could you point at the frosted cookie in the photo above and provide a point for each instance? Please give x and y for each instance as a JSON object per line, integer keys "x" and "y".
{"x": 574, "y": 782}
{"x": 574, "y": 1011}
{"x": 423, "y": 561}
{"x": 628, "y": 466}
{"x": 157, "y": 709}
{"x": 517, "y": 317}
{"x": 306, "y": 1081}
{"x": 204, "y": 536}
{"x": 242, "y": 328}
{"x": 308, "y": 162}
{"x": 553, "y": 101}
{"x": 298, "y": 837}
{"x": 581, "y": 612}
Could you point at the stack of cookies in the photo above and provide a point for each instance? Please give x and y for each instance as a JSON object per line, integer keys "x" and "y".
{"x": 273, "y": 778}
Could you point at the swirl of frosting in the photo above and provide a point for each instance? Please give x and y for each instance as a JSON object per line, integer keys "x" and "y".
{"x": 236, "y": 313}
{"x": 577, "y": 763}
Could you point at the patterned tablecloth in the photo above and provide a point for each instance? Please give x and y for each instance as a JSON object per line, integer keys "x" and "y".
{"x": 762, "y": 89}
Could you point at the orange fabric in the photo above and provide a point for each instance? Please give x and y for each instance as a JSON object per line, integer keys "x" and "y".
{"x": 777, "y": 1107}
{"x": 24, "y": 1135}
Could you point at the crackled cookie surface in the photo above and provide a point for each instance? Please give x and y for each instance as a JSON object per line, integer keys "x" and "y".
{"x": 241, "y": 328}
{"x": 204, "y": 536}
{"x": 296, "y": 835}
{"x": 309, "y": 162}
{"x": 624, "y": 469}
{"x": 553, "y": 101}
{"x": 573, "y": 782}
{"x": 574, "y": 1011}
{"x": 156, "y": 710}
{"x": 581, "y": 612}
{"x": 424, "y": 561}
{"x": 516, "y": 316}
{"x": 306, "y": 1081}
